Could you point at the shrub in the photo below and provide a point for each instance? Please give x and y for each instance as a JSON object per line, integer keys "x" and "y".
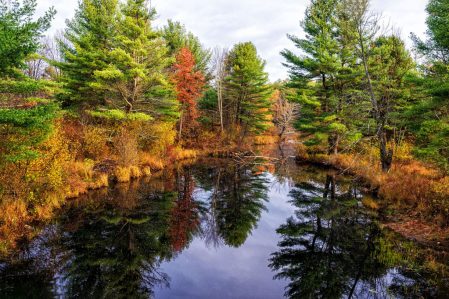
{"x": 126, "y": 148}
{"x": 94, "y": 143}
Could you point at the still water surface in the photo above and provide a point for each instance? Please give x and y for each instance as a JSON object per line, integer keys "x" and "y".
{"x": 218, "y": 229}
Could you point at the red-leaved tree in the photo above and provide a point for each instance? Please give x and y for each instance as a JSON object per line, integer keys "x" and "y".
{"x": 188, "y": 86}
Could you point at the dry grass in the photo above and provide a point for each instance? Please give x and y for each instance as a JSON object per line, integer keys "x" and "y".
{"x": 410, "y": 185}
{"x": 122, "y": 174}
{"x": 263, "y": 139}
{"x": 183, "y": 154}
{"x": 146, "y": 171}
{"x": 147, "y": 160}
{"x": 135, "y": 172}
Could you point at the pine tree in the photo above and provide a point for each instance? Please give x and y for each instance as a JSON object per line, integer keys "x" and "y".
{"x": 322, "y": 76}
{"x": 188, "y": 86}
{"x": 90, "y": 35}
{"x": 248, "y": 92}
{"x": 136, "y": 79}
{"x": 177, "y": 37}
{"x": 430, "y": 118}
{"x": 385, "y": 63}
{"x": 25, "y": 120}
{"x": 19, "y": 34}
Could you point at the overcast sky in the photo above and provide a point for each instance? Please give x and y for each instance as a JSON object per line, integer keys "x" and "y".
{"x": 264, "y": 22}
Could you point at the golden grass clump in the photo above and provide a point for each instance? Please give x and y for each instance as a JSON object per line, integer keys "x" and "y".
{"x": 135, "y": 172}
{"x": 263, "y": 139}
{"x": 146, "y": 171}
{"x": 154, "y": 163}
{"x": 99, "y": 180}
{"x": 183, "y": 154}
{"x": 122, "y": 174}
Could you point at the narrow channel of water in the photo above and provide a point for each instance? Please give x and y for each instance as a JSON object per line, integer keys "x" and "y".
{"x": 221, "y": 229}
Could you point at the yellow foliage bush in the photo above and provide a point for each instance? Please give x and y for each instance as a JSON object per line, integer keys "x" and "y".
{"x": 94, "y": 142}
{"x": 160, "y": 134}
{"x": 49, "y": 168}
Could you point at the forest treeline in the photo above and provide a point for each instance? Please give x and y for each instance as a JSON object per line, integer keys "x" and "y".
{"x": 113, "y": 96}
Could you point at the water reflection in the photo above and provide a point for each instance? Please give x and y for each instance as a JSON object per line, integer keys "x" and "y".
{"x": 130, "y": 240}
{"x": 235, "y": 205}
{"x": 331, "y": 248}
{"x": 111, "y": 243}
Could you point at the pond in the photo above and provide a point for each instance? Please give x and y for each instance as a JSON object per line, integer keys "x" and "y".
{"x": 224, "y": 229}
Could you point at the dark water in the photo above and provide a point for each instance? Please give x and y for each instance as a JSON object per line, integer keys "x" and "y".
{"x": 218, "y": 229}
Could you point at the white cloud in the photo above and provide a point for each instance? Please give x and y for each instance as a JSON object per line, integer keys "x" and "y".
{"x": 264, "y": 22}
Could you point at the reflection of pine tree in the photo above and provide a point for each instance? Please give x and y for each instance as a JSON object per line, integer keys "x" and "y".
{"x": 185, "y": 211}
{"x": 239, "y": 204}
{"x": 235, "y": 204}
{"x": 116, "y": 253}
{"x": 327, "y": 249}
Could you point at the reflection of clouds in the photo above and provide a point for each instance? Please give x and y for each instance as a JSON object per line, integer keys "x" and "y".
{"x": 264, "y": 22}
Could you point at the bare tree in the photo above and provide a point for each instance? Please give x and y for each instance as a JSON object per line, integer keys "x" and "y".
{"x": 285, "y": 114}
{"x": 41, "y": 64}
{"x": 219, "y": 58}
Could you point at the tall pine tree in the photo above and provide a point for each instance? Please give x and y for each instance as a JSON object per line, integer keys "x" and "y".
{"x": 247, "y": 89}
{"x": 91, "y": 36}
{"x": 321, "y": 74}
{"x": 137, "y": 78}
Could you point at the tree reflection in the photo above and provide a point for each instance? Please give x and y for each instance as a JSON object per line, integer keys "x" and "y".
{"x": 236, "y": 203}
{"x": 326, "y": 249}
{"x": 116, "y": 253}
{"x": 185, "y": 211}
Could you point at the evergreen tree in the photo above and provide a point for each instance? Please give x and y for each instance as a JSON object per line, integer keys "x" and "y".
{"x": 136, "y": 79}
{"x": 385, "y": 63}
{"x": 20, "y": 34}
{"x": 177, "y": 37}
{"x": 25, "y": 120}
{"x": 430, "y": 118}
{"x": 90, "y": 36}
{"x": 322, "y": 74}
{"x": 248, "y": 92}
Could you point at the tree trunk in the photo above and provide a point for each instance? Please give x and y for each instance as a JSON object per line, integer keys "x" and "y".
{"x": 180, "y": 125}
{"x": 386, "y": 157}
{"x": 333, "y": 143}
{"x": 220, "y": 104}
